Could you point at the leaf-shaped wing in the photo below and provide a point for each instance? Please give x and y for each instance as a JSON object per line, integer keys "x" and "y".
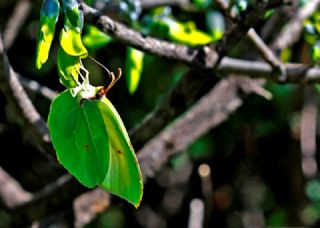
{"x": 80, "y": 138}
{"x": 123, "y": 177}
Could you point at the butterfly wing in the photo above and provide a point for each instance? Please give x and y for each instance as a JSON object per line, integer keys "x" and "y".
{"x": 124, "y": 176}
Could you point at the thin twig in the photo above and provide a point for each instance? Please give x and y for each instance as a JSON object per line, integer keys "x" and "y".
{"x": 292, "y": 30}
{"x": 15, "y": 22}
{"x": 36, "y": 87}
{"x": 146, "y": 4}
{"x": 267, "y": 54}
{"x": 257, "y": 41}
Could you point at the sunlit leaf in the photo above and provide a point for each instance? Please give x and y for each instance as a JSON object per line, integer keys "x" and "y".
{"x": 48, "y": 17}
{"x": 73, "y": 19}
{"x": 186, "y": 34}
{"x": 201, "y": 4}
{"x": 71, "y": 43}
{"x": 123, "y": 178}
{"x": 80, "y": 138}
{"x": 316, "y": 52}
{"x": 134, "y": 67}
{"x": 242, "y": 5}
{"x": 94, "y": 39}
{"x": 68, "y": 68}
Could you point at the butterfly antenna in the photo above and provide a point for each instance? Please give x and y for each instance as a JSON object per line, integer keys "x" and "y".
{"x": 112, "y": 78}
{"x": 113, "y": 81}
{"x": 100, "y": 64}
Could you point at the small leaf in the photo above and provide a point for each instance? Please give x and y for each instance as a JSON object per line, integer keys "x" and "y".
{"x": 316, "y": 52}
{"x": 74, "y": 19}
{"x": 70, "y": 40}
{"x": 186, "y": 33}
{"x": 48, "y": 17}
{"x": 94, "y": 38}
{"x": 201, "y": 4}
{"x": 134, "y": 67}
{"x": 80, "y": 138}
{"x": 242, "y": 5}
{"x": 68, "y": 68}
{"x": 124, "y": 176}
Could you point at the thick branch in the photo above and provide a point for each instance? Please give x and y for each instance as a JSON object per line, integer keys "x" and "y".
{"x": 182, "y": 96}
{"x": 201, "y": 57}
{"x": 210, "y": 111}
{"x": 25, "y": 112}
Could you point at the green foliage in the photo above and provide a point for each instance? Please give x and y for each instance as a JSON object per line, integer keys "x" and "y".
{"x": 312, "y": 35}
{"x": 134, "y": 67}
{"x": 71, "y": 43}
{"x": 201, "y": 4}
{"x": 48, "y": 18}
{"x": 161, "y": 23}
{"x": 94, "y": 39}
{"x": 68, "y": 68}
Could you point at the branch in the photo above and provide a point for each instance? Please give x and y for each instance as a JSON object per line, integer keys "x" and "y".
{"x": 15, "y": 22}
{"x": 11, "y": 192}
{"x": 36, "y": 87}
{"x": 210, "y": 111}
{"x": 292, "y": 31}
{"x": 185, "y": 93}
{"x": 146, "y": 4}
{"x": 308, "y": 132}
{"x": 19, "y": 100}
{"x": 267, "y": 54}
{"x": 200, "y": 57}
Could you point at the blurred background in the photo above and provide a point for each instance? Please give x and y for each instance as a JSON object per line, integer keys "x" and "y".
{"x": 258, "y": 168}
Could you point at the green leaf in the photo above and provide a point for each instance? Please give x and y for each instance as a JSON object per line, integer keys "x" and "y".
{"x": 70, "y": 40}
{"x": 186, "y": 33}
{"x": 48, "y": 17}
{"x": 94, "y": 38}
{"x": 80, "y": 138}
{"x": 124, "y": 177}
{"x": 134, "y": 67}
{"x": 45, "y": 37}
{"x": 316, "y": 52}
{"x": 201, "y": 4}
{"x": 74, "y": 19}
{"x": 68, "y": 68}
